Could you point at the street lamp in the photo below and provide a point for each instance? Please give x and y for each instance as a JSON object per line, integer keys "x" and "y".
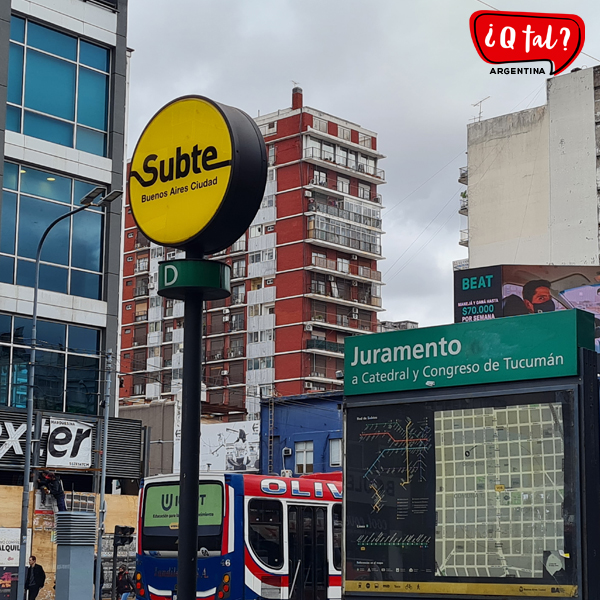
{"x": 86, "y": 201}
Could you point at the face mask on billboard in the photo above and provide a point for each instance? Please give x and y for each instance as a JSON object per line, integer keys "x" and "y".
{"x": 547, "y": 306}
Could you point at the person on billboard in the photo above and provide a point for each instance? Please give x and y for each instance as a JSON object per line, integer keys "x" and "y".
{"x": 536, "y": 298}
{"x": 241, "y": 451}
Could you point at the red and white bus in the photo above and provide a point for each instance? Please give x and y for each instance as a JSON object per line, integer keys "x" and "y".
{"x": 259, "y": 537}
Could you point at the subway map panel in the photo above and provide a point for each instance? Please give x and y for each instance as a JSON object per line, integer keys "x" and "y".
{"x": 394, "y": 492}
{"x": 474, "y": 491}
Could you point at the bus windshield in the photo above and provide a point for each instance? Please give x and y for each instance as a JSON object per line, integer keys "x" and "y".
{"x": 160, "y": 518}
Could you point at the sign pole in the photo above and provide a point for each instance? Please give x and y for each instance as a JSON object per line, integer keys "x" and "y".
{"x": 190, "y": 445}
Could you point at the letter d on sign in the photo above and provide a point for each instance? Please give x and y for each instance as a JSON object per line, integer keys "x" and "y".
{"x": 171, "y": 274}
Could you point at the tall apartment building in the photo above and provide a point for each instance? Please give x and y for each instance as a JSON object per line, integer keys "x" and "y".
{"x": 533, "y": 179}
{"x": 62, "y": 131}
{"x": 304, "y": 276}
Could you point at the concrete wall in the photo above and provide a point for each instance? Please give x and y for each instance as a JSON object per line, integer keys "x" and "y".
{"x": 533, "y": 182}
{"x": 157, "y": 415}
{"x": 509, "y": 189}
{"x": 121, "y": 510}
{"x": 573, "y": 197}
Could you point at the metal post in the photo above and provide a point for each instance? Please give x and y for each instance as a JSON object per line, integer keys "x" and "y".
{"x": 30, "y": 384}
{"x": 113, "y": 585}
{"x": 190, "y": 443}
{"x": 102, "y": 514}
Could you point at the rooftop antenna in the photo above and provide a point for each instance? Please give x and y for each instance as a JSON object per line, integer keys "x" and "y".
{"x": 296, "y": 83}
{"x": 478, "y": 118}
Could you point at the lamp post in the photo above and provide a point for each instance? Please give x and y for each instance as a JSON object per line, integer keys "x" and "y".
{"x": 86, "y": 201}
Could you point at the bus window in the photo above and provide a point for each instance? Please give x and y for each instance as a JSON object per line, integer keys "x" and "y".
{"x": 337, "y": 536}
{"x": 265, "y": 531}
{"x": 160, "y": 520}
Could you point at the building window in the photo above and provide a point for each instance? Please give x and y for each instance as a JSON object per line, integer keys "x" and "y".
{"x": 67, "y": 365}
{"x": 343, "y": 132}
{"x": 319, "y": 178}
{"x": 304, "y": 457}
{"x": 256, "y": 230}
{"x": 238, "y": 268}
{"x": 271, "y": 155}
{"x": 58, "y": 87}
{"x": 264, "y": 362}
{"x": 72, "y": 257}
{"x": 238, "y": 293}
{"x": 335, "y": 453}
{"x": 364, "y": 191}
{"x": 343, "y": 185}
{"x": 240, "y": 245}
{"x": 320, "y": 124}
{"x": 365, "y": 140}
{"x": 268, "y": 201}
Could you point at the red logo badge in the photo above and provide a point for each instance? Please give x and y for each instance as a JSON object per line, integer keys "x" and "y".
{"x": 507, "y": 37}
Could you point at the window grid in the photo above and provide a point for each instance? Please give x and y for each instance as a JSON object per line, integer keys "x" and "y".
{"x": 79, "y": 65}
{"x": 56, "y": 368}
{"x": 70, "y": 220}
{"x": 304, "y": 457}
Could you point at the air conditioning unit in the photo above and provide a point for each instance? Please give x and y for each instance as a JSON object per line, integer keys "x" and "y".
{"x": 151, "y": 286}
{"x": 225, "y": 311}
{"x": 135, "y": 343}
{"x": 355, "y": 313}
{"x": 330, "y": 278}
{"x": 308, "y": 327}
{"x": 308, "y": 385}
{"x": 224, "y": 372}
{"x": 354, "y": 257}
{"x": 217, "y": 356}
{"x": 339, "y": 374}
{"x": 225, "y": 318}
{"x": 355, "y": 284}
{"x": 286, "y": 451}
{"x": 286, "y": 472}
{"x": 308, "y": 193}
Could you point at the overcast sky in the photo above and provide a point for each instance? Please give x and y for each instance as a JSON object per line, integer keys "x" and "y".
{"x": 407, "y": 70}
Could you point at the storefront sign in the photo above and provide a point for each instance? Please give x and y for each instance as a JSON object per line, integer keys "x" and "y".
{"x": 519, "y": 348}
{"x": 69, "y": 444}
{"x": 197, "y": 175}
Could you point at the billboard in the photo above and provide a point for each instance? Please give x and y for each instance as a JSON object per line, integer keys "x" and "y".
{"x": 510, "y": 290}
{"x": 230, "y": 447}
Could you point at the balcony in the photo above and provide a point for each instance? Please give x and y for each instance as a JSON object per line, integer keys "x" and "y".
{"x": 238, "y": 272}
{"x": 331, "y": 183}
{"x": 214, "y": 355}
{"x": 354, "y": 270}
{"x": 142, "y": 266}
{"x": 320, "y": 288}
{"x": 315, "y": 344}
{"x": 344, "y": 321}
{"x": 141, "y": 316}
{"x": 342, "y": 240}
{"x": 236, "y": 352}
{"x": 141, "y": 241}
{"x": 463, "y": 175}
{"x": 360, "y": 169}
{"x": 340, "y": 213}
{"x": 140, "y": 291}
{"x": 464, "y": 205}
{"x": 464, "y": 238}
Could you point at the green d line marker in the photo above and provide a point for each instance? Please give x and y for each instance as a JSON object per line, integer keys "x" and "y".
{"x": 178, "y": 277}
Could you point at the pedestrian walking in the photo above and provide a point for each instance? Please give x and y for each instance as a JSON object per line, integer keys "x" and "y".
{"x": 34, "y": 579}
{"x": 124, "y": 583}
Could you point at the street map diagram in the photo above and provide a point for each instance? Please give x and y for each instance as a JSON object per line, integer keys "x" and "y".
{"x": 500, "y": 492}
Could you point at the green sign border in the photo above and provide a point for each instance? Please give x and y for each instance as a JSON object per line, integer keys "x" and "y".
{"x": 177, "y": 278}
{"x": 534, "y": 346}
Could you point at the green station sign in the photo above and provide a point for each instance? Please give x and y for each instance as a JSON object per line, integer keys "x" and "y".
{"x": 533, "y": 346}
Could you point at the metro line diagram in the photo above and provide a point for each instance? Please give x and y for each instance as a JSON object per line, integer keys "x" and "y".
{"x": 402, "y": 452}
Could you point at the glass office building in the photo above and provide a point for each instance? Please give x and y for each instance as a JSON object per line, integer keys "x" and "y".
{"x": 62, "y": 131}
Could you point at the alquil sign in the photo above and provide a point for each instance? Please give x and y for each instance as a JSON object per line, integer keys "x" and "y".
{"x": 512, "y": 349}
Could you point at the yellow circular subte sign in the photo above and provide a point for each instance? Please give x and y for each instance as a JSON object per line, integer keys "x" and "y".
{"x": 180, "y": 171}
